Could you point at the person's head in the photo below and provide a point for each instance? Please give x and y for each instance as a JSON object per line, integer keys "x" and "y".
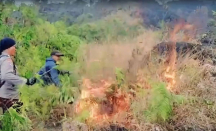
{"x": 56, "y": 55}
{"x": 8, "y": 45}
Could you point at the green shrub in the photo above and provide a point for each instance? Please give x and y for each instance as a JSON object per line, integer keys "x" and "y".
{"x": 161, "y": 103}
{"x": 13, "y": 121}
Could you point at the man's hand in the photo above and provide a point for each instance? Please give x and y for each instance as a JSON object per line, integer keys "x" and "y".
{"x": 65, "y": 73}
{"x": 68, "y": 73}
{"x": 31, "y": 81}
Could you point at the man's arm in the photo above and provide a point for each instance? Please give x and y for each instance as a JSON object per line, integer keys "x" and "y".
{"x": 42, "y": 71}
{"x": 54, "y": 76}
{"x": 7, "y": 73}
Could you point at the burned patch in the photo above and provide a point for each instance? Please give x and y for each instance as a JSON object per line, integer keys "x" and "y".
{"x": 200, "y": 52}
{"x": 181, "y": 48}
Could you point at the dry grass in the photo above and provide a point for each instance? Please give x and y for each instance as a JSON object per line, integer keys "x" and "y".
{"x": 198, "y": 113}
{"x": 102, "y": 59}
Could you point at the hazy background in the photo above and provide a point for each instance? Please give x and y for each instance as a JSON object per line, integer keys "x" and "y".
{"x": 153, "y": 11}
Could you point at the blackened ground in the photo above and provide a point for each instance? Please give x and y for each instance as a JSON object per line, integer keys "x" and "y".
{"x": 200, "y": 52}
{"x": 114, "y": 128}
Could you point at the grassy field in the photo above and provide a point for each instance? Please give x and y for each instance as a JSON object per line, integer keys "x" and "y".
{"x": 113, "y": 84}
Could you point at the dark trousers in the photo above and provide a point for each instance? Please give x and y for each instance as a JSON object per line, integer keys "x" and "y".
{"x": 5, "y": 104}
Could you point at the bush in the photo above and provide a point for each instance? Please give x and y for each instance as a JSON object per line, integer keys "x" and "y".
{"x": 161, "y": 103}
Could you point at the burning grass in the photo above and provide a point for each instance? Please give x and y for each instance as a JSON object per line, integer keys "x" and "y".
{"x": 147, "y": 103}
{"x": 104, "y": 102}
{"x": 142, "y": 95}
{"x": 139, "y": 97}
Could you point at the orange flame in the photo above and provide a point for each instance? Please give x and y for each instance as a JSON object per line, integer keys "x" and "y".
{"x": 104, "y": 102}
{"x": 170, "y": 74}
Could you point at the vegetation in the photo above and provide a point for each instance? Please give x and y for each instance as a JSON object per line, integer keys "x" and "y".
{"x": 153, "y": 107}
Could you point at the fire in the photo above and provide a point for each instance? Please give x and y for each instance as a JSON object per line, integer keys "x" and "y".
{"x": 170, "y": 77}
{"x": 104, "y": 102}
{"x": 170, "y": 74}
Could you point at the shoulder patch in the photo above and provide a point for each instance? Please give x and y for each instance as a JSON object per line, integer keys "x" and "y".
{"x": 7, "y": 63}
{"x": 9, "y": 60}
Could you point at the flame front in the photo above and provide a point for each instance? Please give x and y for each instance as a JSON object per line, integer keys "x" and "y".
{"x": 170, "y": 74}
{"x": 104, "y": 102}
{"x": 107, "y": 103}
{"x": 170, "y": 78}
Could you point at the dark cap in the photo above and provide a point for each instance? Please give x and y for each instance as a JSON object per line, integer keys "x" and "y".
{"x": 6, "y": 43}
{"x": 57, "y": 53}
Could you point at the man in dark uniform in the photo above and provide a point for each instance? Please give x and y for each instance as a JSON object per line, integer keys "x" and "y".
{"x": 10, "y": 80}
{"x": 49, "y": 74}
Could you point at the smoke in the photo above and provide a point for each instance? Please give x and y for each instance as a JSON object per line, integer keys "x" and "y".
{"x": 102, "y": 59}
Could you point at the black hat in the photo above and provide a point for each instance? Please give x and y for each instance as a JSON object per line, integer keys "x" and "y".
{"x": 6, "y": 43}
{"x": 57, "y": 53}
